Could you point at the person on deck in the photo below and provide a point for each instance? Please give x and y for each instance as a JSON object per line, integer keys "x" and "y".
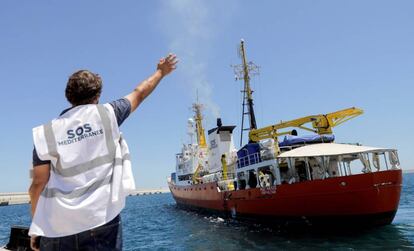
{"x": 81, "y": 166}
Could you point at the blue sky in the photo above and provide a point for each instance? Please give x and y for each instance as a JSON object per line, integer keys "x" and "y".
{"x": 315, "y": 57}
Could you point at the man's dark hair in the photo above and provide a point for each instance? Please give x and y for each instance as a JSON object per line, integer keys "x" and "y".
{"x": 84, "y": 87}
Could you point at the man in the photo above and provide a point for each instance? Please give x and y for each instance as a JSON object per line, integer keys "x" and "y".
{"x": 81, "y": 167}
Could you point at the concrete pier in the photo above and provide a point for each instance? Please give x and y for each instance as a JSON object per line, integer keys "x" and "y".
{"x": 14, "y": 198}
{"x": 150, "y": 191}
{"x": 23, "y": 198}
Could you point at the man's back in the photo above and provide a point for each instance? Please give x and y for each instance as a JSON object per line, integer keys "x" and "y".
{"x": 81, "y": 171}
{"x": 83, "y": 146}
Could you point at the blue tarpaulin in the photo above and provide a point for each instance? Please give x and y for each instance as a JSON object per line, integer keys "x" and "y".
{"x": 290, "y": 140}
{"x": 252, "y": 150}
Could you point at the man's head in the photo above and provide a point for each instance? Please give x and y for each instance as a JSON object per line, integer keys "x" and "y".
{"x": 84, "y": 87}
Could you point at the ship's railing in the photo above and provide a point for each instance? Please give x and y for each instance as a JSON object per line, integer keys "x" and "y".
{"x": 248, "y": 160}
{"x": 217, "y": 176}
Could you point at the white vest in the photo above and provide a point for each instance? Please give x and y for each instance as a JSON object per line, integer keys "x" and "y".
{"x": 90, "y": 171}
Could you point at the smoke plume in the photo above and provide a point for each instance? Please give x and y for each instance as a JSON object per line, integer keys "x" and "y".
{"x": 187, "y": 24}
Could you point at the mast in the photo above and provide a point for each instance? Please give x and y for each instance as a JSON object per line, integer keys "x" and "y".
{"x": 244, "y": 71}
{"x": 201, "y": 138}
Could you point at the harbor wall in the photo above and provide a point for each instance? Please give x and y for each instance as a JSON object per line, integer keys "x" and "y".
{"x": 23, "y": 198}
{"x": 14, "y": 198}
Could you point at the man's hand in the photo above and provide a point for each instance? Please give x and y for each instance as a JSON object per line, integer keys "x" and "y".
{"x": 164, "y": 67}
{"x": 168, "y": 64}
{"x": 34, "y": 242}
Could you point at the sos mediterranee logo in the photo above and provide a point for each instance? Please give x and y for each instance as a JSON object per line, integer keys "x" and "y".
{"x": 80, "y": 133}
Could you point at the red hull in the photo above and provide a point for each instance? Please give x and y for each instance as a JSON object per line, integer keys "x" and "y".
{"x": 370, "y": 198}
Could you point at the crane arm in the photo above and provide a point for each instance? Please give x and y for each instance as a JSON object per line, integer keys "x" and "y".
{"x": 321, "y": 124}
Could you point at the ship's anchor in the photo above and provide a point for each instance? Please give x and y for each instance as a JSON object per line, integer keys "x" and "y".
{"x": 233, "y": 212}
{"x": 227, "y": 197}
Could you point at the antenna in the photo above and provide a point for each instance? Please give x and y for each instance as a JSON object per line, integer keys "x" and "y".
{"x": 243, "y": 72}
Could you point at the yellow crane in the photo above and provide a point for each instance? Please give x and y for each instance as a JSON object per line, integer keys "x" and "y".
{"x": 201, "y": 138}
{"x": 321, "y": 124}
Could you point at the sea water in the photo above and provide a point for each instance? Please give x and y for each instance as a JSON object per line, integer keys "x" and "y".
{"x": 153, "y": 222}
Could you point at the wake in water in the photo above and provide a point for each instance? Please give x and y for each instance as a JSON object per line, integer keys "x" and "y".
{"x": 154, "y": 222}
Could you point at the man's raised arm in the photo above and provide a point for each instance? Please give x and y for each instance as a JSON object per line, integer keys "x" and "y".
{"x": 164, "y": 67}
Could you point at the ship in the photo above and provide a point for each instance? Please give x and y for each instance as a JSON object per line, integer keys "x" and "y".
{"x": 284, "y": 179}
